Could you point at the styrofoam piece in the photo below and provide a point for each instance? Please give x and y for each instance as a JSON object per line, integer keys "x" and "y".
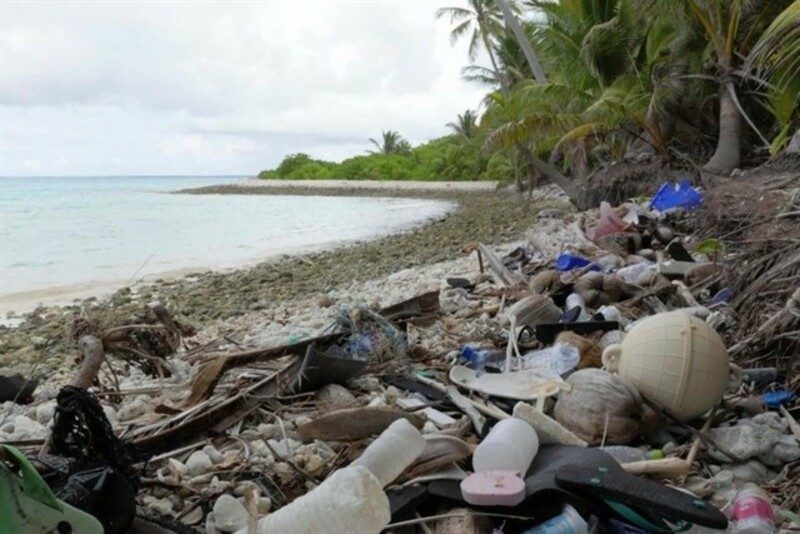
{"x": 493, "y": 488}
{"x": 529, "y": 384}
{"x": 410, "y": 403}
{"x": 547, "y": 429}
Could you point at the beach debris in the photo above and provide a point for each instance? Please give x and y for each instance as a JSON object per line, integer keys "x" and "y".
{"x": 602, "y": 408}
{"x": 675, "y": 360}
{"x": 529, "y": 384}
{"x": 355, "y": 423}
{"x": 264, "y": 424}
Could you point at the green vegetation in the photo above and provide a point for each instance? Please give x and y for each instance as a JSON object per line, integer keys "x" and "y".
{"x": 575, "y": 84}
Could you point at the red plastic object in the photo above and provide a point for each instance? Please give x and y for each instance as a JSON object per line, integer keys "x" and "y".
{"x": 493, "y": 488}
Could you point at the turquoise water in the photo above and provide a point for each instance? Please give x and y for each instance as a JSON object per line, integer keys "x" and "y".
{"x": 68, "y": 231}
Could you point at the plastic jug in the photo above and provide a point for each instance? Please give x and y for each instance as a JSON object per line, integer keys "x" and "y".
{"x": 350, "y": 500}
{"x": 511, "y": 445}
{"x": 395, "y": 449}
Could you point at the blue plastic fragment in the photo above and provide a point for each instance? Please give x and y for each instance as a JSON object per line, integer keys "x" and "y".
{"x": 567, "y": 261}
{"x": 773, "y": 399}
{"x": 723, "y": 295}
{"x": 670, "y": 196}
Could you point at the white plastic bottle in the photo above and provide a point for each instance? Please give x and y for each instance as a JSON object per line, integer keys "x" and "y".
{"x": 394, "y": 450}
{"x": 350, "y": 500}
{"x": 511, "y": 445}
{"x": 752, "y": 511}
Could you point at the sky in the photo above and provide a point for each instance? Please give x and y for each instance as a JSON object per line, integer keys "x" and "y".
{"x": 137, "y": 87}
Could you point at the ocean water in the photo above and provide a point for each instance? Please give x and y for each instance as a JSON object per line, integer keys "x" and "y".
{"x": 62, "y": 232}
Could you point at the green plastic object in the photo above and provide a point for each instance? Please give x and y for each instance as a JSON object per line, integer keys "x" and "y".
{"x": 28, "y": 505}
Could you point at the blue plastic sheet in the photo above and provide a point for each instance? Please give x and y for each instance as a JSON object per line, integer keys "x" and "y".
{"x": 671, "y": 196}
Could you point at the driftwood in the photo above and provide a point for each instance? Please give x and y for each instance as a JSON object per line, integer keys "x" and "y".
{"x": 223, "y": 414}
{"x": 216, "y": 365}
{"x": 355, "y": 423}
{"x": 501, "y": 274}
{"x": 93, "y": 358}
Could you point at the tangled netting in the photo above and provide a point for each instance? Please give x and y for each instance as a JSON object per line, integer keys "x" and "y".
{"x": 372, "y": 337}
{"x": 81, "y": 431}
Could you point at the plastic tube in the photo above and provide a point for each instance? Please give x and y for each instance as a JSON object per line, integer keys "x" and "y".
{"x": 394, "y": 450}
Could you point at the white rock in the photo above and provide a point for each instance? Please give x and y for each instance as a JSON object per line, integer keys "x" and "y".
{"x": 264, "y": 505}
{"x": 45, "y": 412}
{"x": 132, "y": 410}
{"x": 229, "y": 514}
{"x": 21, "y": 427}
{"x": 213, "y": 454}
{"x": 162, "y": 506}
{"x": 199, "y": 463}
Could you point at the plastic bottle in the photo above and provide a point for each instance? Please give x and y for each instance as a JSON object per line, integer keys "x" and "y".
{"x": 569, "y": 521}
{"x": 640, "y": 274}
{"x": 511, "y": 445}
{"x": 558, "y": 359}
{"x": 624, "y": 454}
{"x": 752, "y": 511}
{"x": 479, "y": 358}
{"x": 350, "y": 500}
{"x": 395, "y": 449}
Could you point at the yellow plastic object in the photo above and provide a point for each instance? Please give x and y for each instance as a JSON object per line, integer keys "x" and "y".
{"x": 675, "y": 360}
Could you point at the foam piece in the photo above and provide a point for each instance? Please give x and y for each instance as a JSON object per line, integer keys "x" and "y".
{"x": 493, "y": 488}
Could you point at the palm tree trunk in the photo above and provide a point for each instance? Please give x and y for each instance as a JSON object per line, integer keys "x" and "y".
{"x": 728, "y": 153}
{"x": 555, "y": 176}
{"x": 527, "y": 49}
{"x": 500, "y": 77}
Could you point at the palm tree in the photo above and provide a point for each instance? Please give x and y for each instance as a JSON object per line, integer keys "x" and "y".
{"x": 731, "y": 27}
{"x": 466, "y": 125}
{"x": 530, "y": 55}
{"x": 481, "y": 21}
{"x": 391, "y": 143}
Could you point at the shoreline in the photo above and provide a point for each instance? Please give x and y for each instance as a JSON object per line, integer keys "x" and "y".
{"x": 210, "y": 299}
{"x": 18, "y": 303}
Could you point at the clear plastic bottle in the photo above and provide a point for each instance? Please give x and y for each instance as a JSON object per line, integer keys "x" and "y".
{"x": 569, "y": 521}
{"x": 752, "y": 511}
{"x": 395, "y": 449}
{"x": 511, "y": 445}
{"x": 558, "y": 359}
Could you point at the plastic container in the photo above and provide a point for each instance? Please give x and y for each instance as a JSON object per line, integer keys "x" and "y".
{"x": 559, "y": 359}
{"x": 569, "y": 521}
{"x": 511, "y": 445}
{"x": 752, "y": 511}
{"x": 350, "y": 500}
{"x": 624, "y": 454}
{"x": 395, "y": 449}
